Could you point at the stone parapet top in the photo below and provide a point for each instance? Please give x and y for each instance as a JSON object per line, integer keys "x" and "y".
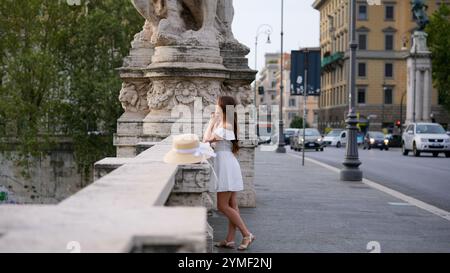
{"x": 122, "y": 211}
{"x": 53, "y": 228}
{"x": 114, "y": 161}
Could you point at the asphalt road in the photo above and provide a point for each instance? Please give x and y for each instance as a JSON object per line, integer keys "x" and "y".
{"x": 425, "y": 178}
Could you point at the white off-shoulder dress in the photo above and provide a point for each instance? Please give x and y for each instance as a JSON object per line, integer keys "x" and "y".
{"x": 228, "y": 176}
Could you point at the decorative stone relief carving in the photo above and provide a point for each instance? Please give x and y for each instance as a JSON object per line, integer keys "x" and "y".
{"x": 159, "y": 94}
{"x": 133, "y": 97}
{"x": 166, "y": 94}
{"x": 210, "y": 92}
{"x": 185, "y": 92}
{"x": 241, "y": 91}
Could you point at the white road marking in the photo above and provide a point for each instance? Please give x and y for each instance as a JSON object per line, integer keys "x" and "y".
{"x": 399, "y": 204}
{"x": 408, "y": 199}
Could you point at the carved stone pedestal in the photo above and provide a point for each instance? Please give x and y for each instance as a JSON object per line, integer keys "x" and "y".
{"x": 419, "y": 91}
{"x": 182, "y": 61}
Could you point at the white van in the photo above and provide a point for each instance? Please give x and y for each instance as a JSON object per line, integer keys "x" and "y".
{"x": 336, "y": 138}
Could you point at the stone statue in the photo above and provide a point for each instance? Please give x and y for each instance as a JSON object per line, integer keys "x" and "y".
{"x": 188, "y": 22}
{"x": 185, "y": 57}
{"x": 419, "y": 9}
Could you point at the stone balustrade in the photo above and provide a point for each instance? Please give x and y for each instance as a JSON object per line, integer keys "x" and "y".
{"x": 135, "y": 205}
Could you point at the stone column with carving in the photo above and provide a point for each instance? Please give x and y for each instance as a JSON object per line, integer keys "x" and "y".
{"x": 183, "y": 60}
{"x": 133, "y": 95}
{"x": 427, "y": 82}
{"x": 419, "y": 80}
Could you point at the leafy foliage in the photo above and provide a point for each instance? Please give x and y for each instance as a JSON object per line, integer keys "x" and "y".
{"x": 439, "y": 42}
{"x": 57, "y": 75}
{"x": 297, "y": 122}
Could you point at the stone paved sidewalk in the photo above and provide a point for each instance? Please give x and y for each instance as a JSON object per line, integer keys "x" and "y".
{"x": 307, "y": 209}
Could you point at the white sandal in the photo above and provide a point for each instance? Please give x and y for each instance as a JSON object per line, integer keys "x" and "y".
{"x": 246, "y": 242}
{"x": 225, "y": 244}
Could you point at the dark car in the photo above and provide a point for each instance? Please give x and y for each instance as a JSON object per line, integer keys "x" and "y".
{"x": 376, "y": 140}
{"x": 288, "y": 133}
{"x": 395, "y": 141}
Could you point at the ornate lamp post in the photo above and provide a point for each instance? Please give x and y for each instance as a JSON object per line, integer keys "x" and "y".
{"x": 281, "y": 143}
{"x": 351, "y": 171}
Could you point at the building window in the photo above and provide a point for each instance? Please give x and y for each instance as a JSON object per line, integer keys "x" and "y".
{"x": 274, "y": 84}
{"x": 362, "y": 41}
{"x": 292, "y": 103}
{"x": 389, "y": 13}
{"x": 389, "y": 70}
{"x": 361, "y": 95}
{"x": 388, "y": 98}
{"x": 389, "y": 41}
{"x": 362, "y": 12}
{"x": 362, "y": 70}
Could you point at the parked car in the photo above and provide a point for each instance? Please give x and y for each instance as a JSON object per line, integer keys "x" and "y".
{"x": 264, "y": 137}
{"x": 336, "y": 138}
{"x": 425, "y": 138}
{"x": 395, "y": 141}
{"x": 313, "y": 140}
{"x": 376, "y": 140}
{"x": 287, "y": 135}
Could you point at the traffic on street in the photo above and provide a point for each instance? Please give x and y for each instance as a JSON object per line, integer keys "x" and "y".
{"x": 426, "y": 178}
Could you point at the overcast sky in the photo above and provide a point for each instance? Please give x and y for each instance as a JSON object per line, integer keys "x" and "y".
{"x": 301, "y": 25}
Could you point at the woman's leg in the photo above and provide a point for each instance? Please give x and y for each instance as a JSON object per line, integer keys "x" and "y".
{"x": 223, "y": 204}
{"x": 232, "y": 227}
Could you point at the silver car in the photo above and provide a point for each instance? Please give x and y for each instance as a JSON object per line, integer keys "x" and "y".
{"x": 313, "y": 140}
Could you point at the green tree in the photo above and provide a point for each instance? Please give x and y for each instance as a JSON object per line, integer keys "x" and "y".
{"x": 439, "y": 43}
{"x": 57, "y": 75}
{"x": 297, "y": 122}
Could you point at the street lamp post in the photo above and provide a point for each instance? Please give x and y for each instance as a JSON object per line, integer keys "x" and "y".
{"x": 383, "y": 105}
{"x": 414, "y": 83}
{"x": 351, "y": 171}
{"x": 281, "y": 143}
{"x": 305, "y": 94}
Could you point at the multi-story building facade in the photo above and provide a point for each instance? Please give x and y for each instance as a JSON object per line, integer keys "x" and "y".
{"x": 266, "y": 95}
{"x": 383, "y": 35}
{"x": 293, "y": 105}
{"x": 268, "y": 80}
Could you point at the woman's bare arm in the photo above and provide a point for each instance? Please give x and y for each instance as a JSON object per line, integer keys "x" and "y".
{"x": 211, "y": 137}
{"x": 208, "y": 136}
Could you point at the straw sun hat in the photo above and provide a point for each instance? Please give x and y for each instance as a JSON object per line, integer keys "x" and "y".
{"x": 187, "y": 149}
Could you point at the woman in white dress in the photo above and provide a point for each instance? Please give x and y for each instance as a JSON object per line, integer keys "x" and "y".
{"x": 222, "y": 134}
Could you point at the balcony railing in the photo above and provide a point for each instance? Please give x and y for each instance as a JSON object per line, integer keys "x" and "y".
{"x": 332, "y": 59}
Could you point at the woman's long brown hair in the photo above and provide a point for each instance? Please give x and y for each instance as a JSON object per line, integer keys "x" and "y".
{"x": 230, "y": 103}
